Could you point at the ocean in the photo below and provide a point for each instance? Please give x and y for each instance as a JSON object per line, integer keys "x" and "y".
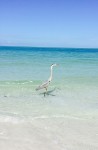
{"x": 73, "y": 92}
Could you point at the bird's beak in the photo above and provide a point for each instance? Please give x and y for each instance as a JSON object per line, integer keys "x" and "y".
{"x": 57, "y": 64}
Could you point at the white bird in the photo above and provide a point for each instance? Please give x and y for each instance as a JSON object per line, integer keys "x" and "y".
{"x": 46, "y": 84}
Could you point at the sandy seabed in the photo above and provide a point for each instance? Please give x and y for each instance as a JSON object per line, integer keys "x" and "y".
{"x": 50, "y": 134}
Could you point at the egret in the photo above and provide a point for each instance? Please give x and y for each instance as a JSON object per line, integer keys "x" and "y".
{"x": 46, "y": 84}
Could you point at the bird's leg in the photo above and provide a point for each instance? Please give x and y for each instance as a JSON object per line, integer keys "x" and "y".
{"x": 45, "y": 92}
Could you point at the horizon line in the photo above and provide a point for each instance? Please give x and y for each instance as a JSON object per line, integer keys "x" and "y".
{"x": 48, "y": 47}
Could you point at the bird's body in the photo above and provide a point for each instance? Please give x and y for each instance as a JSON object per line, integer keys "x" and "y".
{"x": 46, "y": 84}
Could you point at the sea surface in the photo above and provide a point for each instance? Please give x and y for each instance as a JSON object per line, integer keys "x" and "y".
{"x": 73, "y": 91}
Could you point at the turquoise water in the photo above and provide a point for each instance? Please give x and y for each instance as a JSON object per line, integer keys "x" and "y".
{"x": 73, "y": 91}
{"x": 21, "y": 63}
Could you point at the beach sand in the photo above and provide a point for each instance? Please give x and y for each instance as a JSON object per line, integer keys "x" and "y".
{"x": 50, "y": 134}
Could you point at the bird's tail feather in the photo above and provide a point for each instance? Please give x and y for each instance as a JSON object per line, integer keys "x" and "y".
{"x": 38, "y": 88}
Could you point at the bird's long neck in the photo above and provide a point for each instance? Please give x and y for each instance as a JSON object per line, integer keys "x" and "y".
{"x": 50, "y": 78}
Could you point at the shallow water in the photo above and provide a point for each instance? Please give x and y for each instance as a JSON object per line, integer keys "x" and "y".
{"x": 73, "y": 91}
{"x": 67, "y": 117}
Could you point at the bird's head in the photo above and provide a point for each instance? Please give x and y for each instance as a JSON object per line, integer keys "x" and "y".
{"x": 54, "y": 65}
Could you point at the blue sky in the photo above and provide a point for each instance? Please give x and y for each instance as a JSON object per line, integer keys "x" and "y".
{"x": 51, "y": 23}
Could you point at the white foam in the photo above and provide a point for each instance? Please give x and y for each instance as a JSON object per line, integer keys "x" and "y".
{"x": 16, "y": 120}
{"x": 11, "y": 119}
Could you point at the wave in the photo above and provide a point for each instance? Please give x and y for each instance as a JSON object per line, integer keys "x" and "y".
{"x": 18, "y": 120}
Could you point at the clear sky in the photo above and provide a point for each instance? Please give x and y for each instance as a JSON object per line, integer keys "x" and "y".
{"x": 51, "y": 23}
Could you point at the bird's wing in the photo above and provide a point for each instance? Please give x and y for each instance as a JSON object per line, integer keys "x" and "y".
{"x": 44, "y": 85}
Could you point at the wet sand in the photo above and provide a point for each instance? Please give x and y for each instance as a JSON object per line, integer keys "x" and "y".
{"x": 50, "y": 133}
